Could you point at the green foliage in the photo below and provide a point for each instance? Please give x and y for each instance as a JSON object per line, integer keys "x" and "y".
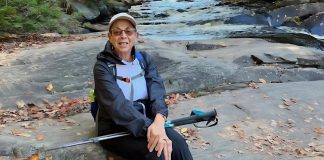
{"x": 21, "y": 16}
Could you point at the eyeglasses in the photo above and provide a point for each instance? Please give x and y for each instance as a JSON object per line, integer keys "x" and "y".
{"x": 118, "y": 32}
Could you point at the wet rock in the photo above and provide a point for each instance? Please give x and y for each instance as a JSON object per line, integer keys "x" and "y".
{"x": 135, "y": 14}
{"x": 181, "y": 10}
{"x": 284, "y": 3}
{"x": 292, "y": 38}
{"x": 315, "y": 24}
{"x": 132, "y": 2}
{"x": 278, "y": 16}
{"x": 88, "y": 9}
{"x": 184, "y": 0}
{"x": 244, "y": 2}
{"x": 104, "y": 12}
{"x": 202, "y": 22}
{"x": 200, "y": 47}
{"x": 292, "y": 22}
{"x": 161, "y": 15}
{"x": 120, "y": 9}
{"x": 115, "y": 7}
{"x": 248, "y": 19}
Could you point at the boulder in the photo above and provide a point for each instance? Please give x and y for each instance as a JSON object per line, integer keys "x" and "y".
{"x": 115, "y": 7}
{"x": 278, "y": 16}
{"x": 299, "y": 39}
{"x": 248, "y": 19}
{"x": 89, "y": 9}
{"x": 315, "y": 24}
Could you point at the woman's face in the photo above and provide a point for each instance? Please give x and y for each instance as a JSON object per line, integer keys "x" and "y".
{"x": 122, "y": 36}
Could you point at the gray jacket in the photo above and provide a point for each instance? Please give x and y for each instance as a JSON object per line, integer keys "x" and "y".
{"x": 116, "y": 113}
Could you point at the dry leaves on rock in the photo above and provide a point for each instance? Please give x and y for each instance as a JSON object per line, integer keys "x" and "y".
{"x": 239, "y": 131}
{"x": 175, "y": 97}
{"x": 15, "y": 42}
{"x": 40, "y": 138}
{"x": 193, "y": 138}
{"x": 253, "y": 85}
{"x": 319, "y": 131}
{"x": 28, "y": 125}
{"x": 18, "y": 132}
{"x": 50, "y": 88}
{"x": 287, "y": 102}
{"x": 271, "y": 143}
{"x": 262, "y": 80}
{"x": 61, "y": 108}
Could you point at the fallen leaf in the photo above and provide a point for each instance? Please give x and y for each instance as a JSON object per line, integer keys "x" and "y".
{"x": 310, "y": 108}
{"x": 33, "y": 109}
{"x": 258, "y": 145}
{"x": 183, "y": 130}
{"x": 308, "y": 120}
{"x": 253, "y": 85}
{"x": 45, "y": 101}
{"x": 262, "y": 81}
{"x": 239, "y": 131}
{"x": 74, "y": 100}
{"x": 319, "y": 131}
{"x": 34, "y": 156}
{"x": 49, "y": 87}
{"x": 27, "y": 125}
{"x": 38, "y": 115}
{"x": 301, "y": 152}
{"x": 289, "y": 101}
{"x": 188, "y": 96}
{"x": 17, "y": 132}
{"x": 20, "y": 104}
{"x": 61, "y": 119}
{"x": 39, "y": 138}
{"x": 49, "y": 158}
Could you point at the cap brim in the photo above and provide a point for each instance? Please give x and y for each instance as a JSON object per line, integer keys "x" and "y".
{"x": 132, "y": 21}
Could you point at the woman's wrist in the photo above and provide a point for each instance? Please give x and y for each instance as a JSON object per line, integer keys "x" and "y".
{"x": 160, "y": 118}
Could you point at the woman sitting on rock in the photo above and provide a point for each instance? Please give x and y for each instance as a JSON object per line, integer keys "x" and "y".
{"x": 130, "y": 94}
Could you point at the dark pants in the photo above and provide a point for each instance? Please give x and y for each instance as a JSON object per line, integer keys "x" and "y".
{"x": 134, "y": 148}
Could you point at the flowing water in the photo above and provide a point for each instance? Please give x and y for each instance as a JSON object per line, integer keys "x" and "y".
{"x": 192, "y": 20}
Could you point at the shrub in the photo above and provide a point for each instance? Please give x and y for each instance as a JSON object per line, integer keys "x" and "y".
{"x": 24, "y": 16}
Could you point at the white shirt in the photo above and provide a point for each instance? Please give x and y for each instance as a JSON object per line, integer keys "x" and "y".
{"x": 131, "y": 69}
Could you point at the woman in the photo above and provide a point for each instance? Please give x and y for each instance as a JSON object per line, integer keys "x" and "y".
{"x": 130, "y": 94}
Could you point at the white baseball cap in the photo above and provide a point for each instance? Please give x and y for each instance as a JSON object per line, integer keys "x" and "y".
{"x": 119, "y": 16}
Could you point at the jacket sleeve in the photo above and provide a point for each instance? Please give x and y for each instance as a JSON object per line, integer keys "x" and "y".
{"x": 112, "y": 99}
{"x": 155, "y": 87}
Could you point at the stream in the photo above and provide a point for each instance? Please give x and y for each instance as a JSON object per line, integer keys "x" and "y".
{"x": 195, "y": 20}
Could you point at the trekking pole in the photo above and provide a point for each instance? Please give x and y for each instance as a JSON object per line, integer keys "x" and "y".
{"x": 195, "y": 117}
{"x": 91, "y": 140}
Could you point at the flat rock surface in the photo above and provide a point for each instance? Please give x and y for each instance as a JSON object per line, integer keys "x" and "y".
{"x": 253, "y": 124}
{"x": 262, "y": 123}
{"x": 281, "y": 119}
{"x": 68, "y": 67}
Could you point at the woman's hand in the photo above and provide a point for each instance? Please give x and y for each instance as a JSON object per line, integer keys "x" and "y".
{"x": 157, "y": 138}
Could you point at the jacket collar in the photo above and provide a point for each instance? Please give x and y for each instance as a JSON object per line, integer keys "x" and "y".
{"x": 108, "y": 54}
